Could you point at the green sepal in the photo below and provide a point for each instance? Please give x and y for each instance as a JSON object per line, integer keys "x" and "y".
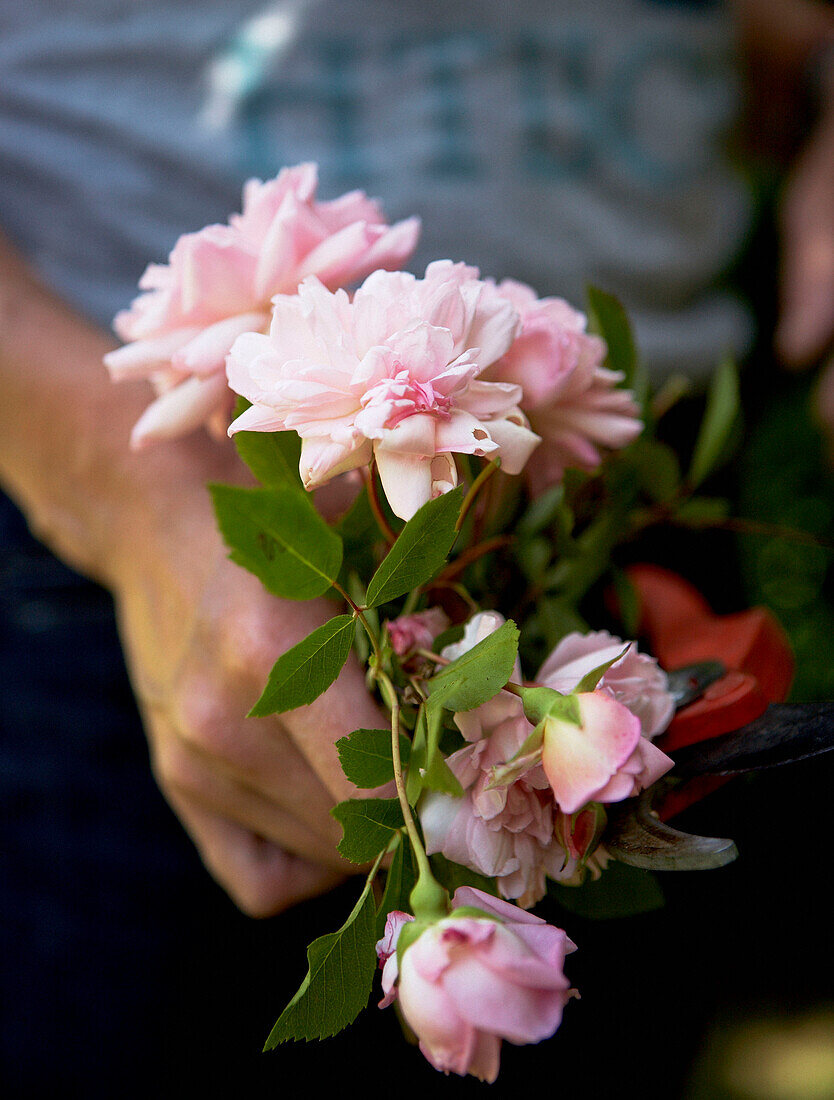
{"x": 590, "y": 680}
{"x": 400, "y": 881}
{"x": 600, "y": 822}
{"x": 542, "y": 702}
{"x": 501, "y": 775}
{"x": 410, "y": 932}
{"x": 473, "y": 911}
{"x": 537, "y": 703}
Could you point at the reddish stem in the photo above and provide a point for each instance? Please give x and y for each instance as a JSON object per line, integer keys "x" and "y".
{"x": 376, "y": 507}
{"x": 471, "y": 555}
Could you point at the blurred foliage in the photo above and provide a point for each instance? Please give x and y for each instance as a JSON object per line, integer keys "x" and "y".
{"x": 785, "y": 479}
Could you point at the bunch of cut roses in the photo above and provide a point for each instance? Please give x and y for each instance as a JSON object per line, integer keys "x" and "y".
{"x": 491, "y": 456}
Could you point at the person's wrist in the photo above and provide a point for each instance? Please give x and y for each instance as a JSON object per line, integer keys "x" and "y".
{"x": 155, "y": 496}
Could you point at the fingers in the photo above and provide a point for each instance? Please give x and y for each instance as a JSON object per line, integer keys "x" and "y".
{"x": 257, "y": 752}
{"x": 183, "y": 771}
{"x": 344, "y": 707}
{"x": 260, "y": 877}
{"x": 251, "y": 641}
{"x": 806, "y": 324}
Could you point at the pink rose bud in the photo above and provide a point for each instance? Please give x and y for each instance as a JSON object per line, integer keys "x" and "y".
{"x": 585, "y": 763}
{"x": 469, "y": 981}
{"x": 416, "y": 631}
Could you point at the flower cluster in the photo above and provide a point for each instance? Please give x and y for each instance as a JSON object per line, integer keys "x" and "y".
{"x": 405, "y": 372}
{"x": 428, "y": 385}
{"x": 519, "y": 832}
{"x": 218, "y": 283}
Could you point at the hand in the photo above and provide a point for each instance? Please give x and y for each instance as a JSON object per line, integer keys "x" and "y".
{"x": 200, "y": 633}
{"x": 806, "y": 325}
{"x": 200, "y": 636}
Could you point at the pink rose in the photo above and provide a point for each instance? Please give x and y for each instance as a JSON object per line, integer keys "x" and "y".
{"x": 604, "y": 759}
{"x": 416, "y": 631}
{"x": 510, "y": 824}
{"x": 571, "y": 398}
{"x": 219, "y": 282}
{"x": 467, "y": 982}
{"x": 636, "y": 680}
{"x": 507, "y": 832}
{"x": 393, "y": 374}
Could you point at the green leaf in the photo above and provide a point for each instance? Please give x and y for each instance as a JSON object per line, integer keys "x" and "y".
{"x": 628, "y": 602}
{"x": 477, "y": 675}
{"x": 279, "y": 536}
{"x": 448, "y": 637}
{"x": 610, "y": 320}
{"x": 723, "y": 404}
{"x": 302, "y": 673}
{"x": 541, "y": 512}
{"x": 400, "y": 881}
{"x": 341, "y": 967}
{"x": 621, "y": 891}
{"x": 359, "y": 533}
{"x": 365, "y": 756}
{"x": 436, "y": 773}
{"x": 452, "y": 875}
{"x": 657, "y": 467}
{"x": 702, "y": 511}
{"x": 420, "y": 550}
{"x": 272, "y": 457}
{"x": 367, "y": 824}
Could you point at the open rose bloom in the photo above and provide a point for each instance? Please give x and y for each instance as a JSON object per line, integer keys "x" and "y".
{"x": 470, "y": 981}
{"x": 219, "y": 282}
{"x": 393, "y": 374}
{"x": 410, "y": 372}
{"x": 574, "y": 403}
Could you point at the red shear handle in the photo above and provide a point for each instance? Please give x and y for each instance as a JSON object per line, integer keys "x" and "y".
{"x": 682, "y": 629}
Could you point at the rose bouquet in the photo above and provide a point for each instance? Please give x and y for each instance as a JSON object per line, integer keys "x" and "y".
{"x": 486, "y": 457}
